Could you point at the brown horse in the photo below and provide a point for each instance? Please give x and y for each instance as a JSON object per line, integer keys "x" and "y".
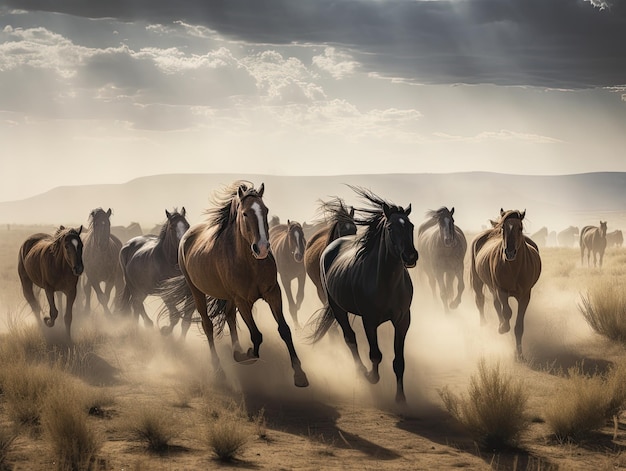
{"x": 508, "y": 263}
{"x": 339, "y": 223}
{"x": 54, "y": 263}
{"x": 615, "y": 238}
{"x": 567, "y": 237}
{"x": 593, "y": 239}
{"x": 228, "y": 259}
{"x": 288, "y": 242}
{"x": 101, "y": 256}
{"x": 442, "y": 246}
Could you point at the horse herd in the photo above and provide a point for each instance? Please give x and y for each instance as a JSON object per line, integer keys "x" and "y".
{"x": 358, "y": 259}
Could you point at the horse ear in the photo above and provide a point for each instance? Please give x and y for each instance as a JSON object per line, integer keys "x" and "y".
{"x": 288, "y": 221}
{"x": 493, "y": 223}
{"x": 522, "y": 214}
{"x": 183, "y": 212}
{"x": 501, "y": 212}
{"x": 386, "y": 210}
{"x": 240, "y": 192}
{"x": 109, "y": 212}
{"x": 167, "y": 213}
{"x": 351, "y": 211}
{"x": 408, "y": 210}
{"x": 80, "y": 229}
{"x": 452, "y": 211}
{"x": 261, "y": 189}
{"x": 61, "y": 228}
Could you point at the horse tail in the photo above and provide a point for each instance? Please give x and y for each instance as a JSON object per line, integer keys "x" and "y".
{"x": 122, "y": 300}
{"x": 216, "y": 309}
{"x": 176, "y": 292}
{"x": 322, "y": 322}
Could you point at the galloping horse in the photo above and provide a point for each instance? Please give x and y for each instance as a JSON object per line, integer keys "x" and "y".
{"x": 442, "y": 247}
{"x": 508, "y": 263}
{"x": 288, "y": 242}
{"x": 367, "y": 275}
{"x": 339, "y": 223}
{"x": 228, "y": 259}
{"x": 100, "y": 254}
{"x": 53, "y": 263}
{"x": 593, "y": 238}
{"x": 146, "y": 262}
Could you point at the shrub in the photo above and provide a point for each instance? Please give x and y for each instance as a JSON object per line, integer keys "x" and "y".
{"x": 584, "y": 403}
{"x": 153, "y": 426}
{"x": 7, "y": 437}
{"x": 494, "y": 411}
{"x": 64, "y": 421}
{"x": 604, "y": 309}
{"x": 227, "y": 435}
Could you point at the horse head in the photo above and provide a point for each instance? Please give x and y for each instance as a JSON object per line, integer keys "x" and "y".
{"x": 72, "y": 248}
{"x": 603, "y": 228}
{"x": 100, "y": 224}
{"x": 400, "y": 233}
{"x": 445, "y": 219}
{"x": 252, "y": 219}
{"x": 177, "y": 224}
{"x": 511, "y": 230}
{"x": 296, "y": 240}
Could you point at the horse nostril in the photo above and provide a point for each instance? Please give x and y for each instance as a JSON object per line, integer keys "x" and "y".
{"x": 255, "y": 249}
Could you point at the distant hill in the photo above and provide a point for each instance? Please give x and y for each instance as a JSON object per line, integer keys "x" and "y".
{"x": 552, "y": 201}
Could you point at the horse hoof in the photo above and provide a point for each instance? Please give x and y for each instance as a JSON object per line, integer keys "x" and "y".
{"x": 300, "y": 380}
{"x": 372, "y": 377}
{"x": 400, "y": 398}
{"x": 48, "y": 321}
{"x": 244, "y": 358}
{"x": 454, "y": 305}
{"x": 166, "y": 330}
{"x": 504, "y": 328}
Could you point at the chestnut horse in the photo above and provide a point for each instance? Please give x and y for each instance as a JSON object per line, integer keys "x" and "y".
{"x": 367, "y": 275}
{"x": 442, "y": 247}
{"x": 339, "y": 222}
{"x": 227, "y": 259}
{"x": 101, "y": 254}
{"x": 508, "y": 263}
{"x": 54, "y": 263}
{"x": 593, "y": 239}
{"x": 288, "y": 242}
{"x": 147, "y": 261}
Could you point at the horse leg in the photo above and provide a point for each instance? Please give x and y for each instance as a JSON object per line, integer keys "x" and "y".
{"x": 87, "y": 292}
{"x": 401, "y": 327}
{"x": 207, "y": 325}
{"x": 71, "y": 296}
{"x": 54, "y": 312}
{"x": 231, "y": 319}
{"x": 139, "y": 310}
{"x": 479, "y": 297}
{"x": 102, "y": 298}
{"x": 174, "y": 317}
{"x": 348, "y": 335}
{"x": 293, "y": 310}
{"x": 108, "y": 287}
{"x": 376, "y": 355}
{"x": 443, "y": 289}
{"x": 522, "y": 304}
{"x": 300, "y": 293}
{"x": 501, "y": 303}
{"x": 273, "y": 298}
{"x": 594, "y": 259}
{"x": 245, "y": 309}
{"x": 460, "y": 288}
{"x": 27, "y": 290}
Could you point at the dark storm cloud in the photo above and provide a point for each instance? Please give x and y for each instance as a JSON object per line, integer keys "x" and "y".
{"x": 551, "y": 43}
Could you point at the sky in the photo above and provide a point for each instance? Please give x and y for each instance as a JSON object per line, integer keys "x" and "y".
{"x": 108, "y": 91}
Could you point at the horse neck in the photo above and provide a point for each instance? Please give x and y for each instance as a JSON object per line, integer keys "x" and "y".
{"x": 389, "y": 266}
{"x": 58, "y": 256}
{"x": 167, "y": 244}
{"x": 101, "y": 236}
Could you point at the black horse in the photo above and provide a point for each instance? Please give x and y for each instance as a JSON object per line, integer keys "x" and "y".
{"x": 146, "y": 262}
{"x": 366, "y": 274}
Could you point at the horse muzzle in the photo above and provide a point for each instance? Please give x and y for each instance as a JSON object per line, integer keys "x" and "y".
{"x": 298, "y": 257}
{"x": 509, "y": 255}
{"x": 261, "y": 250}
{"x": 78, "y": 270}
{"x": 410, "y": 260}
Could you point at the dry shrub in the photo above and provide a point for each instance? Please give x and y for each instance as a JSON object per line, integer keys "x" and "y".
{"x": 584, "y": 403}
{"x": 494, "y": 411}
{"x": 23, "y": 342}
{"x": 228, "y": 429}
{"x": 25, "y": 388}
{"x": 64, "y": 420}
{"x": 604, "y": 309}
{"x": 153, "y": 425}
{"x": 7, "y": 437}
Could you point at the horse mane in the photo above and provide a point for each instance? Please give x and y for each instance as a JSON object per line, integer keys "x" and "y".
{"x": 372, "y": 218}
{"x": 335, "y": 211}
{"x": 225, "y": 205}
{"x": 509, "y": 214}
{"x": 57, "y": 237}
{"x": 433, "y": 218}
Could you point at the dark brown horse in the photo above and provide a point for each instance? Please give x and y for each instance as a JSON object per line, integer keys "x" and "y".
{"x": 505, "y": 261}
{"x": 227, "y": 259}
{"x": 288, "y": 242}
{"x": 101, "y": 254}
{"x": 593, "y": 239}
{"x": 339, "y": 222}
{"x": 54, "y": 263}
{"x": 147, "y": 261}
{"x": 367, "y": 275}
{"x": 442, "y": 246}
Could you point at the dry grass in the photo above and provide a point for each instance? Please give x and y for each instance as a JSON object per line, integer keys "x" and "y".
{"x": 64, "y": 421}
{"x": 23, "y": 342}
{"x": 227, "y": 436}
{"x": 584, "y": 403}
{"x": 494, "y": 411}
{"x": 7, "y": 437}
{"x": 604, "y": 309}
{"x": 154, "y": 426}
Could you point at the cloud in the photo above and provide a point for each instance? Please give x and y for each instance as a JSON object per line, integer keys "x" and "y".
{"x": 560, "y": 43}
{"x": 338, "y": 64}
